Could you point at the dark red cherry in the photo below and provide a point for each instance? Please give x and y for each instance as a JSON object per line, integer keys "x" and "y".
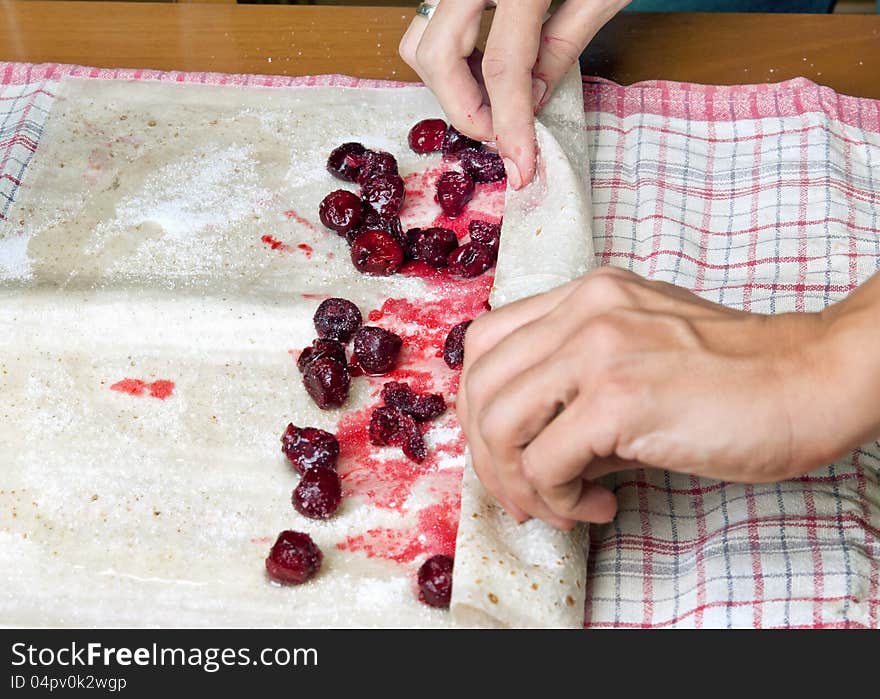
{"x": 455, "y": 141}
{"x": 432, "y": 245}
{"x": 420, "y": 406}
{"x": 470, "y": 260}
{"x": 327, "y": 382}
{"x": 309, "y": 447}
{"x": 454, "y": 191}
{"x": 482, "y": 165}
{"x": 341, "y": 211}
{"x": 485, "y": 233}
{"x": 453, "y": 348}
{"x": 391, "y": 427}
{"x": 435, "y": 581}
{"x": 337, "y": 319}
{"x": 376, "y": 350}
{"x": 337, "y": 164}
{"x": 294, "y": 559}
{"x": 374, "y": 163}
{"x": 321, "y": 348}
{"x": 377, "y": 253}
{"x": 318, "y": 494}
{"x": 384, "y": 194}
{"x": 427, "y": 136}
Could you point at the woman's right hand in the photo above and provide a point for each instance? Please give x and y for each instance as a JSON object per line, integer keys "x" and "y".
{"x": 493, "y": 96}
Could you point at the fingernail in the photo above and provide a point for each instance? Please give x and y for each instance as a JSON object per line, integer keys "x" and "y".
{"x": 513, "y": 176}
{"x": 539, "y": 89}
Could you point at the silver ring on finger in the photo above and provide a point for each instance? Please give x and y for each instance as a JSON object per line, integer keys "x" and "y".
{"x": 425, "y": 9}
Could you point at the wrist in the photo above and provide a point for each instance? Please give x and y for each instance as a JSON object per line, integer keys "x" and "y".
{"x": 843, "y": 372}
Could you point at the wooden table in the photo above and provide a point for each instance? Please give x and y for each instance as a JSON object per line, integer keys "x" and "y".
{"x": 840, "y": 51}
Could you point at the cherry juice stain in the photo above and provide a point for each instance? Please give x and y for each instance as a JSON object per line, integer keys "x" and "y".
{"x": 133, "y": 387}
{"x": 433, "y": 533}
{"x": 424, "y": 324}
{"x": 293, "y": 216}
{"x": 307, "y": 249}
{"x": 275, "y": 244}
{"x": 160, "y": 388}
{"x": 382, "y": 475}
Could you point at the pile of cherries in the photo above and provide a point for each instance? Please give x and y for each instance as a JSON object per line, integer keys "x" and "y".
{"x": 313, "y": 452}
{"x": 397, "y": 422}
{"x": 295, "y": 558}
{"x": 324, "y": 365}
{"x": 379, "y": 246}
{"x": 371, "y": 222}
{"x": 327, "y": 370}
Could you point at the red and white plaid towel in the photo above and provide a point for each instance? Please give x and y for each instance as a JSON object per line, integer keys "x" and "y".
{"x": 763, "y": 198}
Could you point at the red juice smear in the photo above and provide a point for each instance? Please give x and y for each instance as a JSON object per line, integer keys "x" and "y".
{"x": 133, "y": 387}
{"x": 424, "y": 325}
{"x": 293, "y": 216}
{"x": 307, "y": 249}
{"x": 434, "y": 534}
{"x": 417, "y": 268}
{"x": 460, "y": 223}
{"x": 381, "y": 475}
{"x": 275, "y": 244}
{"x": 160, "y": 389}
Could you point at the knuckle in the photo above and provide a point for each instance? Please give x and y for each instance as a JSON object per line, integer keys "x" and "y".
{"x": 407, "y": 53}
{"x": 605, "y": 290}
{"x": 493, "y": 427}
{"x": 564, "y": 501}
{"x": 474, "y": 385}
{"x": 531, "y": 467}
{"x": 616, "y": 400}
{"x": 429, "y": 55}
{"x": 604, "y": 334}
{"x": 611, "y": 271}
{"x": 498, "y": 67}
{"x": 522, "y": 494}
{"x": 494, "y": 66}
{"x": 476, "y": 338}
{"x": 562, "y": 50}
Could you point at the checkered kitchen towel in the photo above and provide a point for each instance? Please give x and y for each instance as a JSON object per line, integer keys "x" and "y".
{"x": 765, "y": 198}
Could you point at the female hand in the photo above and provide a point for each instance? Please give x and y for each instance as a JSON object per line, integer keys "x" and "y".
{"x": 613, "y": 371}
{"x": 494, "y": 96}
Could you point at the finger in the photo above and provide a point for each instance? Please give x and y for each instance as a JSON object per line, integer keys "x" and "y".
{"x": 511, "y": 52}
{"x": 600, "y": 467}
{"x": 563, "y": 39}
{"x": 489, "y": 479}
{"x": 488, "y": 375}
{"x": 526, "y": 497}
{"x": 489, "y": 329}
{"x": 512, "y": 419}
{"x": 475, "y": 65}
{"x": 558, "y": 460}
{"x": 410, "y": 40}
{"x": 476, "y": 393}
{"x": 442, "y": 62}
